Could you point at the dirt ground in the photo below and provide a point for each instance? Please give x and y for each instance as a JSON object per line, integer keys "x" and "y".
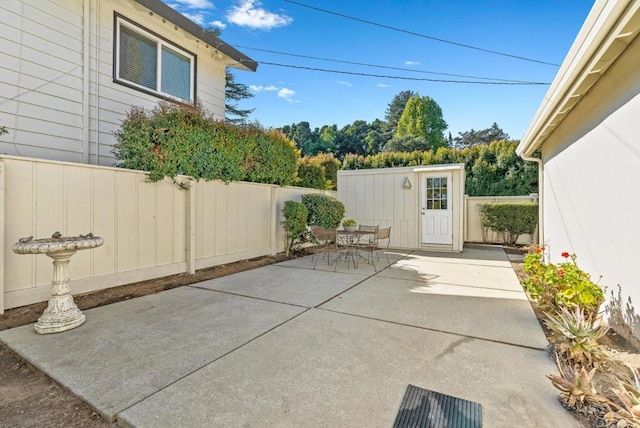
{"x": 29, "y": 398}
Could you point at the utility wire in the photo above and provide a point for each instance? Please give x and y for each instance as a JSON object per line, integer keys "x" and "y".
{"x": 421, "y": 35}
{"x": 389, "y": 67}
{"x": 422, "y": 79}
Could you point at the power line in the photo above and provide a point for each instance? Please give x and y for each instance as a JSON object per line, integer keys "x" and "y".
{"x": 421, "y": 35}
{"x": 422, "y": 79}
{"x": 387, "y": 66}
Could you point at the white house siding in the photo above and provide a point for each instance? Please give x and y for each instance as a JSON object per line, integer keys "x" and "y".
{"x": 41, "y": 70}
{"x": 41, "y": 78}
{"x": 592, "y": 177}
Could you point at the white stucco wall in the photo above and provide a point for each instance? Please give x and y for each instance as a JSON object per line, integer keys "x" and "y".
{"x": 42, "y": 77}
{"x": 592, "y": 181}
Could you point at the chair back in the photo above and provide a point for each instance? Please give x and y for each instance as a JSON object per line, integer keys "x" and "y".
{"x": 384, "y": 233}
{"x": 323, "y": 235}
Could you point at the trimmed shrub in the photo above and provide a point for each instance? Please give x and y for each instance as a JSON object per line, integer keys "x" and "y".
{"x": 323, "y": 210}
{"x": 512, "y": 219}
{"x": 176, "y": 139}
{"x": 311, "y": 174}
{"x": 295, "y": 223}
{"x": 331, "y": 166}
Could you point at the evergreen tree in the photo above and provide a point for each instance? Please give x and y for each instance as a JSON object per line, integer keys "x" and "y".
{"x": 422, "y": 118}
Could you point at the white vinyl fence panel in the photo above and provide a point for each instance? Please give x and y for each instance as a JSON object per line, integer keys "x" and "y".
{"x": 473, "y": 226}
{"x": 150, "y": 230}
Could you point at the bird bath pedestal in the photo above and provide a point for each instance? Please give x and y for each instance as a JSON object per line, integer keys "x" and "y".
{"x": 61, "y": 313}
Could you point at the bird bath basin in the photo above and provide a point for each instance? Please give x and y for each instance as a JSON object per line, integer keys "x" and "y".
{"x": 61, "y": 313}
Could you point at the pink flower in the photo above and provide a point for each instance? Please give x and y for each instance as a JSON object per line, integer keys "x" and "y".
{"x": 565, "y": 255}
{"x": 539, "y": 250}
{"x": 560, "y": 273}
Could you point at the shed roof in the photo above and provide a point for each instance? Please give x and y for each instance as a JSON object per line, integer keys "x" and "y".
{"x": 609, "y": 28}
{"x": 160, "y": 8}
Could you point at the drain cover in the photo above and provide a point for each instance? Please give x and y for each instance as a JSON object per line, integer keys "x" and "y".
{"x": 421, "y": 408}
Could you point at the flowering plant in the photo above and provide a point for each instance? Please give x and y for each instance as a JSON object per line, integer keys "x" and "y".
{"x": 562, "y": 285}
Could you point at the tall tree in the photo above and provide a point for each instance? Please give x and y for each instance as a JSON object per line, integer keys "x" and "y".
{"x": 235, "y": 92}
{"x": 484, "y": 136}
{"x": 422, "y": 118}
{"x": 351, "y": 139}
{"x": 395, "y": 109}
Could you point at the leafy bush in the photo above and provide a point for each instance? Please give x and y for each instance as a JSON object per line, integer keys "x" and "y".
{"x": 295, "y": 223}
{"x": 323, "y": 210}
{"x": 311, "y": 174}
{"x": 512, "y": 219}
{"x": 562, "y": 285}
{"x": 176, "y": 139}
{"x": 318, "y": 172}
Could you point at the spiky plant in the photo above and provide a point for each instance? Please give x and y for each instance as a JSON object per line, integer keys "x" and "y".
{"x": 576, "y": 335}
{"x": 576, "y": 386}
{"x": 628, "y": 392}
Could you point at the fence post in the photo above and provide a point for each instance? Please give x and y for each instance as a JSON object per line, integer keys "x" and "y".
{"x": 191, "y": 227}
{"x": 274, "y": 220}
{"x": 2, "y": 238}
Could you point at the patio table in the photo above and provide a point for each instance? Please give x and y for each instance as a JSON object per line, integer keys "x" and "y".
{"x": 352, "y": 238}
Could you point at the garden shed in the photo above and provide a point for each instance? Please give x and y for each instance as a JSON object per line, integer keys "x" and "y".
{"x": 423, "y": 205}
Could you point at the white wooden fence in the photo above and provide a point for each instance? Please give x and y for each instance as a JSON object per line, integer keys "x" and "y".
{"x": 472, "y": 225}
{"x": 150, "y": 230}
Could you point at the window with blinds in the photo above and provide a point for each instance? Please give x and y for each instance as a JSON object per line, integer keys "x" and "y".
{"x": 147, "y": 62}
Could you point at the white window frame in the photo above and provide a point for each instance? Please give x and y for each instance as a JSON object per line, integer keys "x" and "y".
{"x": 160, "y": 44}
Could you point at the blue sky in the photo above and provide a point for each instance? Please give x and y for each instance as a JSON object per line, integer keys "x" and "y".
{"x": 543, "y": 30}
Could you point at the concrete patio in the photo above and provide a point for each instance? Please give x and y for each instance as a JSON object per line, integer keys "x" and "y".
{"x": 289, "y": 346}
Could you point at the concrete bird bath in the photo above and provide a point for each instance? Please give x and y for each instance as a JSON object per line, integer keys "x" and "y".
{"x": 61, "y": 313}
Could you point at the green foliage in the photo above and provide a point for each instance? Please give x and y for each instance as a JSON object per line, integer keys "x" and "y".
{"x": 483, "y": 136}
{"x": 576, "y": 335}
{"x": 491, "y": 170}
{"x": 3, "y": 130}
{"x": 395, "y": 109}
{"x": 563, "y": 285}
{"x": 512, "y": 219}
{"x": 349, "y": 222}
{"x": 406, "y": 144}
{"x": 235, "y": 92}
{"x": 295, "y": 223}
{"x": 179, "y": 139}
{"x": 323, "y": 210}
{"x": 422, "y": 118}
{"x": 311, "y": 174}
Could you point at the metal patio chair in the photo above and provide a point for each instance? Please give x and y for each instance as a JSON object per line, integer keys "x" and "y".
{"x": 326, "y": 241}
{"x": 377, "y": 244}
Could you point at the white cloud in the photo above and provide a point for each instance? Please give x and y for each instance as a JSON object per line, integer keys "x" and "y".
{"x": 218, "y": 24}
{"x": 198, "y": 18}
{"x": 383, "y": 85}
{"x": 344, "y": 83}
{"x": 195, "y": 4}
{"x": 411, "y": 63}
{"x": 248, "y": 13}
{"x": 260, "y": 88}
{"x": 286, "y": 93}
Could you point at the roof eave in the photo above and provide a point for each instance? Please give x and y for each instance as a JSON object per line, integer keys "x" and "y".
{"x": 609, "y": 28}
{"x": 240, "y": 60}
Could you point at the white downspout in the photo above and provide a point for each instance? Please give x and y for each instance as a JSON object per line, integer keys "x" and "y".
{"x": 85, "y": 81}
{"x": 540, "y": 195}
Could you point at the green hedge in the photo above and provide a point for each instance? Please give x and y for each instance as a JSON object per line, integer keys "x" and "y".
{"x": 512, "y": 219}
{"x": 176, "y": 139}
{"x": 323, "y": 210}
{"x": 491, "y": 169}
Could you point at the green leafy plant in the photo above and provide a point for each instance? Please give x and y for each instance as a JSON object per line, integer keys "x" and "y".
{"x": 323, "y": 210}
{"x": 349, "y": 222}
{"x": 512, "y": 219}
{"x": 295, "y": 223}
{"x": 576, "y": 335}
{"x": 177, "y": 139}
{"x": 563, "y": 285}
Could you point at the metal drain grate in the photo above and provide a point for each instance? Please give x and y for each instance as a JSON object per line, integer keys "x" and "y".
{"x": 421, "y": 408}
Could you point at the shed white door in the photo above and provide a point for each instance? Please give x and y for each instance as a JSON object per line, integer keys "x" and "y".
{"x": 437, "y": 216}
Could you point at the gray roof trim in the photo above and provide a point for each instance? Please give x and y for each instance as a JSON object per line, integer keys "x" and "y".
{"x": 167, "y": 12}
